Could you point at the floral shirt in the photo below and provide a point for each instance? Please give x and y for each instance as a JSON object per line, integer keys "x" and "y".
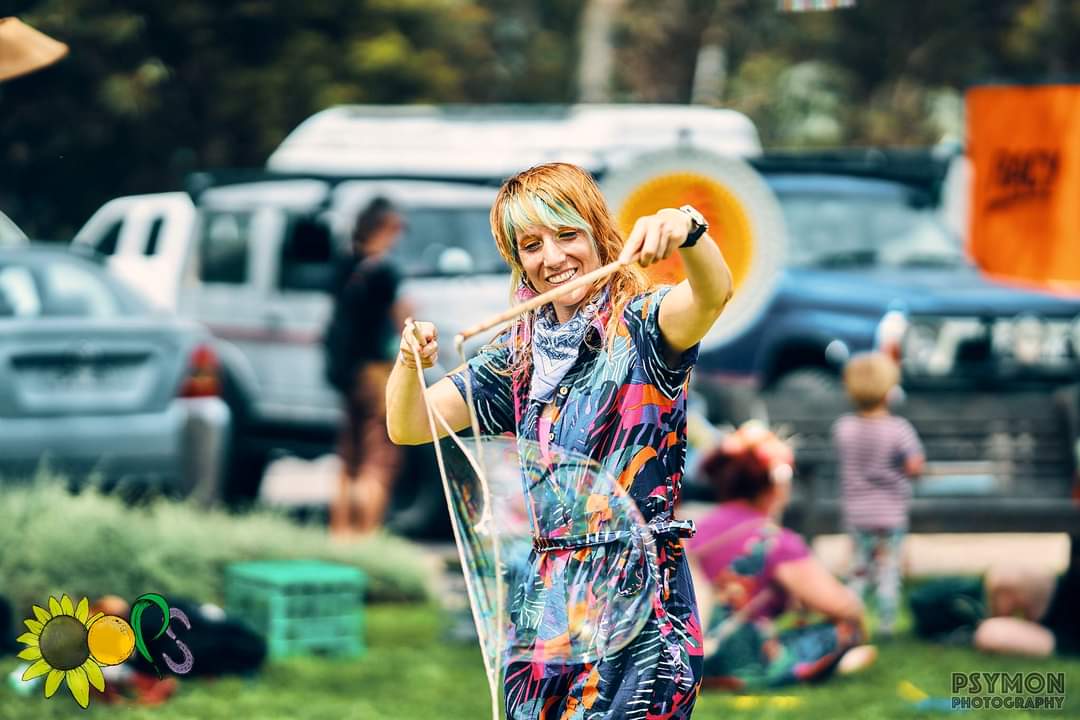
{"x": 623, "y": 405}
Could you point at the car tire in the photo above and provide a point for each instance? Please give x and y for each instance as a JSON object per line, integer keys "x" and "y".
{"x": 246, "y": 467}
{"x": 731, "y": 405}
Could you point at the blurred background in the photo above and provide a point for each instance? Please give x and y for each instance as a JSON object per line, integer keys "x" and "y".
{"x": 156, "y": 92}
{"x": 180, "y": 199}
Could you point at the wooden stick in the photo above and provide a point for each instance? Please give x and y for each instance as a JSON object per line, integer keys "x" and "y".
{"x": 540, "y": 300}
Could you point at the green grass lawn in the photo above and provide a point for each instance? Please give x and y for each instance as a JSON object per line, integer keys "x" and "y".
{"x": 409, "y": 671}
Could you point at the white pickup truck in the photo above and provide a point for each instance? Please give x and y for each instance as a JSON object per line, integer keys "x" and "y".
{"x": 252, "y": 259}
{"x": 253, "y": 262}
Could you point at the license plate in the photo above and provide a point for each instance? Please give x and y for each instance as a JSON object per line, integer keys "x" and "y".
{"x": 80, "y": 380}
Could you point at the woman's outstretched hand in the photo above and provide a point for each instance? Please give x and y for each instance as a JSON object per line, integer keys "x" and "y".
{"x": 420, "y": 336}
{"x": 655, "y": 237}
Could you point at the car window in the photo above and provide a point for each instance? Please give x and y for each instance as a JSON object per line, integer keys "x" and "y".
{"x": 853, "y": 230}
{"x": 224, "y": 243}
{"x": 448, "y": 241}
{"x": 154, "y": 236}
{"x": 58, "y": 289}
{"x": 10, "y": 234}
{"x": 307, "y": 255}
{"x": 109, "y": 239}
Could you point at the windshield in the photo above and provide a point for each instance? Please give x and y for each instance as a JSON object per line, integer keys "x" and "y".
{"x": 57, "y": 289}
{"x": 448, "y": 241}
{"x": 10, "y": 234}
{"x": 837, "y": 231}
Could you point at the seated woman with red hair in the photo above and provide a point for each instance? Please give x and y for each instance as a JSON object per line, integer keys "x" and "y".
{"x": 748, "y": 570}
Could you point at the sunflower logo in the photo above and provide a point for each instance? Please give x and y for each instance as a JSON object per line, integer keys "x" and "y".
{"x": 67, "y": 644}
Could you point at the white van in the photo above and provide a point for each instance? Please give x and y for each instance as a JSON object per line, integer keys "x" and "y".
{"x": 492, "y": 142}
{"x": 252, "y": 260}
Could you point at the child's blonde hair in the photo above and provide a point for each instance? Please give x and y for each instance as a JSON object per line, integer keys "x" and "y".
{"x": 868, "y": 378}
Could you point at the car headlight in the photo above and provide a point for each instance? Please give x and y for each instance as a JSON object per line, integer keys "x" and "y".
{"x": 1027, "y": 339}
{"x": 919, "y": 345}
{"x": 1055, "y": 344}
{"x": 889, "y": 336}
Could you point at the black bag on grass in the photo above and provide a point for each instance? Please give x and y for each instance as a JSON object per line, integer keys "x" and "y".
{"x": 219, "y": 645}
{"x": 948, "y": 609}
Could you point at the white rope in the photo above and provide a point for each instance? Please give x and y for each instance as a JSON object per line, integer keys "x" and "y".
{"x": 477, "y": 463}
{"x": 491, "y": 668}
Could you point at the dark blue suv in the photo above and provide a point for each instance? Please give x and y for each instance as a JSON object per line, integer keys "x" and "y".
{"x": 988, "y": 367}
{"x": 858, "y": 248}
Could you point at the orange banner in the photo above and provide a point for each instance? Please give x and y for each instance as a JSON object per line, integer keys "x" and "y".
{"x": 1024, "y": 145}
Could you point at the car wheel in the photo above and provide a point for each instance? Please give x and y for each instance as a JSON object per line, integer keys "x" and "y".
{"x": 245, "y": 471}
{"x": 731, "y": 405}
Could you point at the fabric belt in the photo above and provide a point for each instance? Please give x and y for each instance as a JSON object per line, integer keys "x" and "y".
{"x": 678, "y": 528}
{"x": 637, "y": 566}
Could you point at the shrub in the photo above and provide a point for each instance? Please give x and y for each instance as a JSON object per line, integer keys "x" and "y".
{"x": 92, "y": 544}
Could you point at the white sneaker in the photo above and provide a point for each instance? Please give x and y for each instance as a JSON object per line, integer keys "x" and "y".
{"x": 857, "y": 659}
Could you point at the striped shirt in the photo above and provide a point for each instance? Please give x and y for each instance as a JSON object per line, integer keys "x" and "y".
{"x": 871, "y": 453}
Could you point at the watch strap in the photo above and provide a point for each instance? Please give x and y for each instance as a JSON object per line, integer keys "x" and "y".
{"x": 697, "y": 227}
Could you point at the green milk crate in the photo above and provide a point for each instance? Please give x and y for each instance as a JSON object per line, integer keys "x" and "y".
{"x": 299, "y": 606}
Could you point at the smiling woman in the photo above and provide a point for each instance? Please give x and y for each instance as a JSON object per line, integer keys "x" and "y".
{"x": 600, "y": 371}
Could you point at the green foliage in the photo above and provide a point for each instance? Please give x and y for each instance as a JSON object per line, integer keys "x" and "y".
{"x": 872, "y": 74}
{"x": 92, "y": 544}
{"x": 801, "y": 104}
{"x": 154, "y": 90}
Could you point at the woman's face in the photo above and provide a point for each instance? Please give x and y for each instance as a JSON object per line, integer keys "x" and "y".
{"x": 385, "y": 236}
{"x": 552, "y": 258}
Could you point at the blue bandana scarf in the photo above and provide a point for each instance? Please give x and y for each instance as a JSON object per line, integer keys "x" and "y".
{"x": 555, "y": 345}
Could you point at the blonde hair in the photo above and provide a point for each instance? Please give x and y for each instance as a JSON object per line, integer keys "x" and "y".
{"x": 868, "y": 378}
{"x": 558, "y": 195}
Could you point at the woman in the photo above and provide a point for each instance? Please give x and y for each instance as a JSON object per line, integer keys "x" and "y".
{"x": 748, "y": 570}
{"x": 368, "y": 313}
{"x": 601, "y": 371}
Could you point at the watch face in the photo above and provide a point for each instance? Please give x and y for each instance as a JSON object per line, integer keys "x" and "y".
{"x": 697, "y": 217}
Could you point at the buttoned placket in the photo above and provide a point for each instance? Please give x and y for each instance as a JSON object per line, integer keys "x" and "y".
{"x": 560, "y": 400}
{"x": 563, "y": 391}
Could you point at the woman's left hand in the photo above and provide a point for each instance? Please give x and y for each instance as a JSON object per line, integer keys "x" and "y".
{"x": 655, "y": 237}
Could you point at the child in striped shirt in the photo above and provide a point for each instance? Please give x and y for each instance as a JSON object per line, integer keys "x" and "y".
{"x": 878, "y": 454}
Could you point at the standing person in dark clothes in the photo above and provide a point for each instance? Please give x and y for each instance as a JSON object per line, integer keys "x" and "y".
{"x": 361, "y": 343}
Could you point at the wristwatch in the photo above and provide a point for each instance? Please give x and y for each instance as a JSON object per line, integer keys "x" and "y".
{"x": 698, "y": 226}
